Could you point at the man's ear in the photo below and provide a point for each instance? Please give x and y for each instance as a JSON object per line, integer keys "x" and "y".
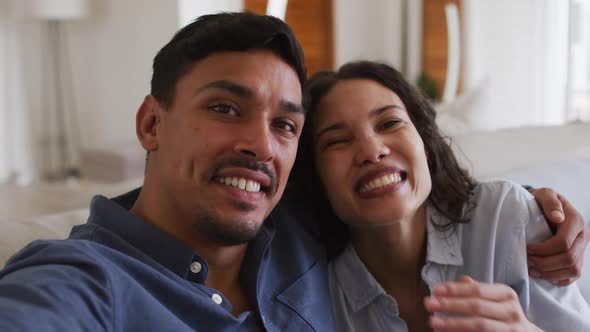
{"x": 147, "y": 121}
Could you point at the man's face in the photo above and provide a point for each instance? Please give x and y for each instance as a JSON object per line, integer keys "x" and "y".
{"x": 228, "y": 142}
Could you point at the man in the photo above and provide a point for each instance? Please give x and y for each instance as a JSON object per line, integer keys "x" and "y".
{"x": 197, "y": 248}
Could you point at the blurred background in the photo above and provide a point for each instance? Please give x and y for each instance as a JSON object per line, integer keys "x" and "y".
{"x": 73, "y": 73}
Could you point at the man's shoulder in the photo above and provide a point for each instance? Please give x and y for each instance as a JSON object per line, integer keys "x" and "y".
{"x": 54, "y": 285}
{"x": 42, "y": 253}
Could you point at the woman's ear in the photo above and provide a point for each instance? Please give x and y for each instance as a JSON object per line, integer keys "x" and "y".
{"x": 147, "y": 121}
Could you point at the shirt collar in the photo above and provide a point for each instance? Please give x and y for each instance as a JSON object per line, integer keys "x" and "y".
{"x": 114, "y": 215}
{"x": 358, "y": 284}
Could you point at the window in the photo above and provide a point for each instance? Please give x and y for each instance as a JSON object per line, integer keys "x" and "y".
{"x": 578, "y": 94}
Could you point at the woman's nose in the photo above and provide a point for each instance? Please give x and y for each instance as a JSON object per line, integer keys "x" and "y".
{"x": 371, "y": 150}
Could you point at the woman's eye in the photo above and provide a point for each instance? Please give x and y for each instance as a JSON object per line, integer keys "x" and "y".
{"x": 336, "y": 142}
{"x": 224, "y": 109}
{"x": 390, "y": 124}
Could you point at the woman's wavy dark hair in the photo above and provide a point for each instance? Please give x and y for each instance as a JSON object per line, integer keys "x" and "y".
{"x": 452, "y": 186}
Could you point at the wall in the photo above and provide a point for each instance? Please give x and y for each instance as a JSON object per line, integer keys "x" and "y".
{"x": 381, "y": 30}
{"x": 521, "y": 47}
{"x": 367, "y": 30}
{"x": 111, "y": 54}
{"x": 188, "y": 10}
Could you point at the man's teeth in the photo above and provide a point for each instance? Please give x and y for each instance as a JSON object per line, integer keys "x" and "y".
{"x": 242, "y": 183}
{"x": 382, "y": 182}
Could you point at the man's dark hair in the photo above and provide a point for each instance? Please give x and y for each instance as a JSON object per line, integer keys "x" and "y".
{"x": 217, "y": 33}
{"x": 452, "y": 186}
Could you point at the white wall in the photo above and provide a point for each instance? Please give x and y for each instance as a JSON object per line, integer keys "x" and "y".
{"x": 111, "y": 53}
{"x": 382, "y": 30}
{"x": 367, "y": 30}
{"x": 188, "y": 10}
{"x": 521, "y": 46}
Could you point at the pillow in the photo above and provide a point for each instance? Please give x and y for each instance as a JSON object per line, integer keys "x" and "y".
{"x": 16, "y": 234}
{"x": 465, "y": 113}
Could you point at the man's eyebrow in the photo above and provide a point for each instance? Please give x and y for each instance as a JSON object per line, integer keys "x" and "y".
{"x": 229, "y": 86}
{"x": 245, "y": 92}
{"x": 372, "y": 114}
{"x": 291, "y": 107}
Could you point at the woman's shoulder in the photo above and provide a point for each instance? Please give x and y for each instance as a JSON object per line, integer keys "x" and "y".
{"x": 504, "y": 198}
{"x": 501, "y": 189}
{"x": 506, "y": 205}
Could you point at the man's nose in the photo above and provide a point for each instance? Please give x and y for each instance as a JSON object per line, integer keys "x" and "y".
{"x": 255, "y": 141}
{"x": 371, "y": 149}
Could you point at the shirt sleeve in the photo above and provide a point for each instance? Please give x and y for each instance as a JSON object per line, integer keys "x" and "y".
{"x": 57, "y": 294}
{"x": 550, "y": 307}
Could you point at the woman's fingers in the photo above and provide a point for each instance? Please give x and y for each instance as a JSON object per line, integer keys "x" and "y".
{"x": 466, "y": 287}
{"x": 466, "y": 324}
{"x": 467, "y": 305}
{"x": 478, "y": 324}
{"x": 507, "y": 311}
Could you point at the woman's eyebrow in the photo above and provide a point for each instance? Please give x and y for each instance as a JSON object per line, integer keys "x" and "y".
{"x": 333, "y": 127}
{"x": 378, "y": 111}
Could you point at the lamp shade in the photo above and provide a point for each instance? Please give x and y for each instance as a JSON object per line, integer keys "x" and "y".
{"x": 52, "y": 9}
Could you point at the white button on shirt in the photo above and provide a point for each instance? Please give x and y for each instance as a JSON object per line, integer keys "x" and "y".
{"x": 217, "y": 298}
{"x": 196, "y": 267}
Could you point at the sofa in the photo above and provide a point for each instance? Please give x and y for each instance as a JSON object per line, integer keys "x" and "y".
{"x": 557, "y": 157}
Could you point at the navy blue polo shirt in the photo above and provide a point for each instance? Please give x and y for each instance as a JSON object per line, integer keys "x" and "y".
{"x": 119, "y": 273}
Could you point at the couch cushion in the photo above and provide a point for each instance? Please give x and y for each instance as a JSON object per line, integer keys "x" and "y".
{"x": 18, "y": 233}
{"x": 568, "y": 177}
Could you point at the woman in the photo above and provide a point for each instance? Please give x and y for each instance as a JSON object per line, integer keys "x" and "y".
{"x": 407, "y": 224}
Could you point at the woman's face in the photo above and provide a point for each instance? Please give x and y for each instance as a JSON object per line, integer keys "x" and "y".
{"x": 370, "y": 157}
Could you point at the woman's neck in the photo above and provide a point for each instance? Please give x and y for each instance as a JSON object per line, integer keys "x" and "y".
{"x": 394, "y": 254}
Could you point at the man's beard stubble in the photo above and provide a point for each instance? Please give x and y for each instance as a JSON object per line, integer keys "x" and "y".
{"x": 228, "y": 232}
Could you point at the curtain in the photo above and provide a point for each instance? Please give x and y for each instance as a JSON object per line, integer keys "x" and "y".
{"x": 36, "y": 141}
{"x": 16, "y": 149}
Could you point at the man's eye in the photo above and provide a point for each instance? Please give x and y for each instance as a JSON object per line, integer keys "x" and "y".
{"x": 224, "y": 109}
{"x": 286, "y": 126}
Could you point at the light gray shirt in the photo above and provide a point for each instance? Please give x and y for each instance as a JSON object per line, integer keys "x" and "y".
{"x": 491, "y": 248}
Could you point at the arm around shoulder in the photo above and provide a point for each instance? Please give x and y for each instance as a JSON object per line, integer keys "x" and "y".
{"x": 551, "y": 307}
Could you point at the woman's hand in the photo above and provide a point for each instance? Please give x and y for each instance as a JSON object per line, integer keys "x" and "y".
{"x": 558, "y": 259}
{"x": 467, "y": 305}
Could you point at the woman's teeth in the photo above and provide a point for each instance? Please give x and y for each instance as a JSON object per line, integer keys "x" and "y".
{"x": 382, "y": 182}
{"x": 241, "y": 183}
